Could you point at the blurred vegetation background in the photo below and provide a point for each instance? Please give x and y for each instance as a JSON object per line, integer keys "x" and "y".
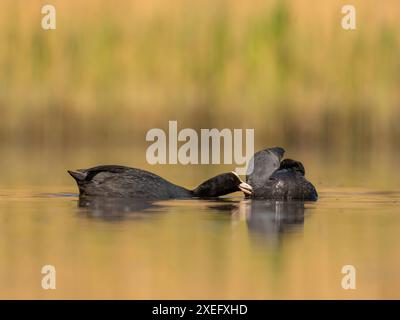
{"x": 86, "y": 94}
{"x": 113, "y": 70}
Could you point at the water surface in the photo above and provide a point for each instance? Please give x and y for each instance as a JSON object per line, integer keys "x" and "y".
{"x": 230, "y": 248}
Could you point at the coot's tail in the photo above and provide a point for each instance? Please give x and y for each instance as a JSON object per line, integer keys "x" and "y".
{"x": 77, "y": 175}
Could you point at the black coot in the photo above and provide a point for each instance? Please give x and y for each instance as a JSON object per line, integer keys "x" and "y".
{"x": 125, "y": 182}
{"x": 277, "y": 179}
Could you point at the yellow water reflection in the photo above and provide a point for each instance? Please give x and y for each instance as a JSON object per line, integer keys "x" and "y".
{"x": 232, "y": 248}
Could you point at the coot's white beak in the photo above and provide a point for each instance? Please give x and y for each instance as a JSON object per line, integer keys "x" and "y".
{"x": 246, "y": 188}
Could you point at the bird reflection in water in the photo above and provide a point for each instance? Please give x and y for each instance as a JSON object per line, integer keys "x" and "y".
{"x": 263, "y": 217}
{"x": 117, "y": 208}
{"x": 266, "y": 218}
{"x": 274, "y": 217}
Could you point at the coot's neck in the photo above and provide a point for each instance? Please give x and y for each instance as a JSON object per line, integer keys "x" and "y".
{"x": 180, "y": 192}
{"x": 214, "y": 187}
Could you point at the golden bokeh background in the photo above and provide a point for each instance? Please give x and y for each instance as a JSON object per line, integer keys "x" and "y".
{"x": 87, "y": 93}
{"x": 111, "y": 71}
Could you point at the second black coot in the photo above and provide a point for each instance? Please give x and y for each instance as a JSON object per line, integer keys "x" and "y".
{"x": 277, "y": 179}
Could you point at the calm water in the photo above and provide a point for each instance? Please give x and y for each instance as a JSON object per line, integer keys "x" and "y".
{"x": 230, "y": 248}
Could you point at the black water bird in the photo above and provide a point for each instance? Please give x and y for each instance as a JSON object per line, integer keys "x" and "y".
{"x": 276, "y": 179}
{"x": 124, "y": 182}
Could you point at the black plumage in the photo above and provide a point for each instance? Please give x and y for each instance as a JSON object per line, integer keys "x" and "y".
{"x": 277, "y": 179}
{"x": 125, "y": 182}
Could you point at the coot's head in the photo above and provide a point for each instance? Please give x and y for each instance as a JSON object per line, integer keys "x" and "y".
{"x": 292, "y": 165}
{"x": 222, "y": 184}
{"x": 234, "y": 179}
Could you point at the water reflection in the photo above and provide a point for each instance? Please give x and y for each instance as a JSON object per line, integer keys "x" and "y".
{"x": 229, "y": 248}
{"x": 116, "y": 208}
{"x": 266, "y": 218}
{"x": 274, "y": 217}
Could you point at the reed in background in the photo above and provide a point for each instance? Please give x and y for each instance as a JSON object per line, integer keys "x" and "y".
{"x": 113, "y": 70}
